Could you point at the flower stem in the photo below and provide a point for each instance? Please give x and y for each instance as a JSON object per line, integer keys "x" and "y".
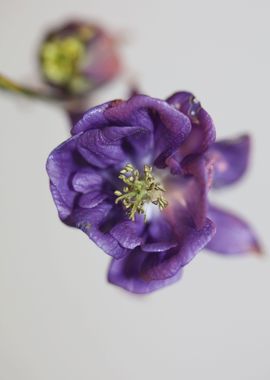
{"x": 9, "y": 85}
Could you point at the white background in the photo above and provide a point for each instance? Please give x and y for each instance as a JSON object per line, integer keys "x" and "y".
{"x": 59, "y": 319}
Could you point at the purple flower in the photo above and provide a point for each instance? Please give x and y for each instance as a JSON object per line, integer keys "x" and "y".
{"x": 134, "y": 177}
{"x": 78, "y": 57}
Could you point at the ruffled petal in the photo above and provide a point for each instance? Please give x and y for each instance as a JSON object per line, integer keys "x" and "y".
{"x": 91, "y": 221}
{"x": 62, "y": 207}
{"x": 231, "y": 158}
{"x": 127, "y": 234}
{"x": 234, "y": 235}
{"x": 62, "y": 163}
{"x": 166, "y": 265}
{"x": 104, "y": 147}
{"x": 85, "y": 218}
{"x": 154, "y": 115}
{"x": 159, "y": 262}
{"x": 203, "y": 132}
{"x": 92, "y": 119}
{"x": 108, "y": 243}
{"x": 126, "y": 273}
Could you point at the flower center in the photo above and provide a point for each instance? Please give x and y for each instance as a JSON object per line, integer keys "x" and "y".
{"x": 61, "y": 59}
{"x": 139, "y": 190}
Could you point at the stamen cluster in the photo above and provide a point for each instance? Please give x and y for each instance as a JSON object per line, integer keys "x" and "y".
{"x": 139, "y": 190}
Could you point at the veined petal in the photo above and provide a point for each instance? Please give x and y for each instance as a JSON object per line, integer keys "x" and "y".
{"x": 61, "y": 165}
{"x": 92, "y": 119}
{"x": 127, "y": 234}
{"x": 62, "y": 207}
{"x": 154, "y": 115}
{"x": 91, "y": 222}
{"x": 126, "y": 273}
{"x": 104, "y": 147}
{"x": 160, "y": 264}
{"x": 108, "y": 243}
{"x": 163, "y": 266}
{"x": 234, "y": 235}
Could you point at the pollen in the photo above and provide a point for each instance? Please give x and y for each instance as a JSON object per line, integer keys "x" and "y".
{"x": 138, "y": 190}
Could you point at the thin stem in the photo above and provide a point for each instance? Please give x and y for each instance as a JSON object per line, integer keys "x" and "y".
{"x": 16, "y": 88}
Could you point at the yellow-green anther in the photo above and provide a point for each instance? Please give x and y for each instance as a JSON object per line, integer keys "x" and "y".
{"x": 139, "y": 190}
{"x": 61, "y": 60}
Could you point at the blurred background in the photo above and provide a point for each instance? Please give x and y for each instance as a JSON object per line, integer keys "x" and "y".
{"x": 59, "y": 318}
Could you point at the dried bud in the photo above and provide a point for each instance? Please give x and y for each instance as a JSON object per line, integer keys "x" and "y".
{"x": 78, "y": 57}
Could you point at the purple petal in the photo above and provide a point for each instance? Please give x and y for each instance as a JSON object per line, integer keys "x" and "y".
{"x": 92, "y": 119}
{"x": 203, "y": 131}
{"x": 85, "y": 218}
{"x": 126, "y": 233}
{"x": 190, "y": 189}
{"x": 103, "y": 147}
{"x": 162, "y": 266}
{"x": 149, "y": 114}
{"x": 231, "y": 158}
{"x": 116, "y": 112}
{"x": 233, "y": 235}
{"x": 158, "y": 247}
{"x": 196, "y": 187}
{"x": 86, "y": 179}
{"x": 160, "y": 231}
{"x": 142, "y": 272}
{"x": 108, "y": 243}
{"x": 61, "y": 165}
{"x": 126, "y": 273}
{"x": 91, "y": 221}
{"x": 62, "y": 207}
{"x": 91, "y": 199}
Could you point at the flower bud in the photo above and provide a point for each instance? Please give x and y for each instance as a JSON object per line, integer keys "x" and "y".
{"x": 78, "y": 57}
